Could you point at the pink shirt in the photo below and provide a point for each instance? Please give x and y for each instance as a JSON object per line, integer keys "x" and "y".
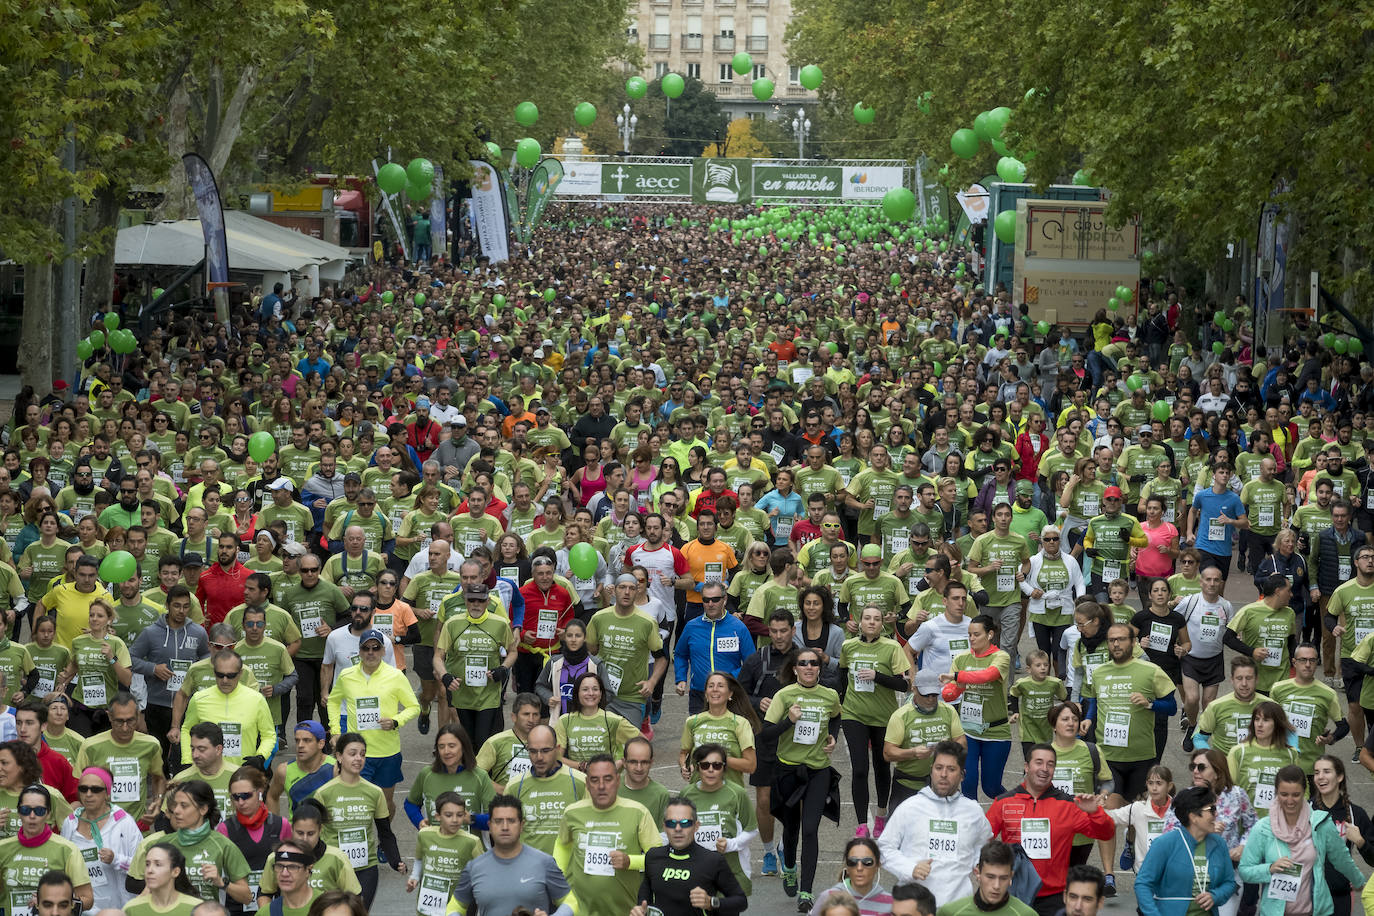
{"x": 1149, "y": 561}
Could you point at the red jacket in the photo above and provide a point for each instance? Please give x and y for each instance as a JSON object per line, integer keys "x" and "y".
{"x": 57, "y": 771}
{"x": 1066, "y": 821}
{"x": 1030, "y": 456}
{"x": 557, "y": 603}
{"x": 220, "y": 592}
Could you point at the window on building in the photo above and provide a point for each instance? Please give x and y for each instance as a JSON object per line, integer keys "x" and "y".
{"x": 694, "y": 24}
{"x": 660, "y": 69}
{"x": 726, "y": 74}
{"x": 794, "y": 76}
{"x": 727, "y": 25}
{"x": 694, "y": 71}
{"x": 760, "y": 71}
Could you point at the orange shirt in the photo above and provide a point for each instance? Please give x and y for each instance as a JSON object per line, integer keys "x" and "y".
{"x": 402, "y": 618}
{"x": 708, "y": 563}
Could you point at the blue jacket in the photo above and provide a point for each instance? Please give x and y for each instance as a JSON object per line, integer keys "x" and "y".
{"x": 711, "y": 645}
{"x": 1262, "y": 848}
{"x": 1164, "y": 885}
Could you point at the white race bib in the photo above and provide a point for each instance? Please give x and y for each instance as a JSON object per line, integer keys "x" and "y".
{"x": 233, "y": 738}
{"x": 1160, "y": 634}
{"x": 1264, "y": 795}
{"x": 474, "y": 675}
{"x": 1035, "y": 837}
{"x": 708, "y": 830}
{"x": 1284, "y": 885}
{"x": 434, "y": 892}
{"x": 1006, "y": 580}
{"x": 547, "y": 625}
{"x": 807, "y": 729}
{"x": 93, "y": 692}
{"x": 1276, "y": 649}
{"x": 1300, "y": 717}
{"x": 128, "y": 780}
{"x": 1216, "y": 531}
{"x": 971, "y": 713}
{"x": 1116, "y": 729}
{"x": 1092, "y": 505}
{"x": 725, "y": 644}
{"x": 614, "y": 674}
{"x": 1111, "y": 570}
{"x": 368, "y": 712}
{"x": 179, "y": 668}
{"x": 95, "y": 869}
{"x": 880, "y": 508}
{"x": 782, "y": 527}
{"x": 942, "y": 840}
{"x": 1266, "y": 517}
{"x": 713, "y": 572}
{"x": 862, "y": 686}
{"x": 596, "y": 859}
{"x": 47, "y": 681}
{"x": 354, "y": 844}
{"x": 1210, "y": 628}
{"x": 1063, "y": 780}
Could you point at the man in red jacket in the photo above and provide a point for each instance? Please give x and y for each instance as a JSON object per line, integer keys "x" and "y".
{"x": 29, "y": 718}
{"x": 220, "y": 588}
{"x": 1044, "y": 821}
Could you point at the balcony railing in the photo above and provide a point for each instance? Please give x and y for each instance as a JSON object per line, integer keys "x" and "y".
{"x": 756, "y": 43}
{"x": 691, "y": 42}
{"x": 658, "y": 42}
{"x": 724, "y": 42}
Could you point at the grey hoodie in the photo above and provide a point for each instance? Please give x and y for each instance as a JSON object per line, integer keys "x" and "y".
{"x": 159, "y": 644}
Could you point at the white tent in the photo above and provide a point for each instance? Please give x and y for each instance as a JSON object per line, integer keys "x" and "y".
{"x": 259, "y": 251}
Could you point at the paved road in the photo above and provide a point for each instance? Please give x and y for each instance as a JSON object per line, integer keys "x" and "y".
{"x": 768, "y": 897}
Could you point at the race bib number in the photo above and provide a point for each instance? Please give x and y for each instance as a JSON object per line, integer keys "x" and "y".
{"x": 1006, "y": 580}
{"x": 782, "y": 527}
{"x": 95, "y": 869}
{"x": 1169, "y": 513}
{"x": 1035, "y": 837}
{"x": 254, "y": 885}
{"x": 1264, "y": 794}
{"x": 726, "y": 644}
{"x": 474, "y": 675}
{"x": 614, "y": 675}
{"x": 433, "y": 896}
{"x": 596, "y": 859}
{"x": 1300, "y": 715}
{"x": 93, "y": 692}
{"x": 128, "y": 780}
{"x": 1266, "y": 517}
{"x": 957, "y": 646}
{"x": 807, "y": 729}
{"x": 1111, "y": 571}
{"x": 519, "y": 762}
{"x": 713, "y": 572}
{"x": 384, "y": 622}
{"x": 942, "y": 841}
{"x": 1343, "y": 570}
{"x": 1116, "y": 729}
{"x": 861, "y": 685}
{"x": 233, "y": 738}
{"x": 1283, "y": 885}
{"x": 708, "y": 829}
{"x": 1276, "y": 648}
{"x": 1160, "y": 635}
{"x": 971, "y": 714}
{"x": 510, "y": 572}
{"x": 880, "y": 508}
{"x": 1361, "y": 634}
{"x": 1153, "y": 831}
{"x": 1216, "y": 531}
{"x": 47, "y": 681}
{"x": 547, "y": 625}
{"x": 1063, "y": 780}
{"x": 368, "y": 711}
{"x": 1092, "y": 505}
{"x": 1210, "y": 628}
{"x": 354, "y": 844}
{"x": 311, "y": 620}
{"x": 179, "y": 668}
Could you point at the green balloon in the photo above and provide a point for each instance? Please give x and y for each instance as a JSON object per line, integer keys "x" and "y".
{"x": 964, "y": 142}
{"x": 653, "y": 308}
{"x": 261, "y": 445}
{"x": 811, "y": 77}
{"x": 1135, "y": 383}
{"x": 1041, "y": 327}
{"x": 672, "y": 85}
{"x": 763, "y": 89}
{"x": 636, "y": 87}
{"x": 526, "y": 114}
{"x": 832, "y": 346}
{"x": 420, "y": 172}
{"x": 895, "y": 279}
{"x": 494, "y": 155}
{"x": 582, "y": 561}
{"x": 84, "y": 350}
{"x": 1218, "y": 347}
{"x": 923, "y": 101}
{"x": 527, "y": 153}
{"x": 1161, "y": 410}
{"x": 418, "y": 192}
{"x": 420, "y": 300}
{"x": 1159, "y": 287}
{"x": 97, "y": 338}
{"x": 1113, "y": 304}
{"x": 584, "y": 114}
{"x": 1228, "y": 326}
{"x": 1000, "y": 146}
{"x": 1082, "y": 178}
{"x": 763, "y": 251}
{"x": 549, "y": 294}
{"x": 111, "y": 321}
{"x": 864, "y": 114}
{"x": 1005, "y": 226}
{"x": 1011, "y": 170}
{"x": 521, "y": 314}
{"x": 939, "y": 369}
{"x": 1356, "y": 346}
{"x": 981, "y": 126}
{"x": 118, "y": 567}
{"x": 388, "y": 297}
{"x": 899, "y": 205}
{"x": 997, "y": 120}
{"x": 1341, "y": 345}
{"x": 741, "y": 63}
{"x": 1124, "y": 293}
{"x": 391, "y": 178}
{"x": 498, "y": 301}
{"x": 779, "y": 298}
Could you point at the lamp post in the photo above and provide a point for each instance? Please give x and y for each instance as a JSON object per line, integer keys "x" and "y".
{"x": 801, "y": 126}
{"x": 625, "y": 124}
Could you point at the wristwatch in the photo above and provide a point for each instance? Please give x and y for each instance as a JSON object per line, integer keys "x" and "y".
{"x": 716, "y": 902}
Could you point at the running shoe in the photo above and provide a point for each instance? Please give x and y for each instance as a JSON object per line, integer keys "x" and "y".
{"x": 655, "y": 711}
{"x": 1355, "y": 757}
{"x": 1128, "y": 857}
{"x": 879, "y": 822}
{"x": 861, "y": 831}
{"x": 1111, "y": 886}
{"x": 805, "y": 902}
{"x": 770, "y": 865}
{"x": 646, "y": 728}
{"x": 1188, "y": 739}
{"x": 423, "y": 725}
{"x": 789, "y": 881}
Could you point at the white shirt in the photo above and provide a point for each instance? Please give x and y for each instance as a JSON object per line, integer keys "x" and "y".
{"x": 934, "y": 637}
{"x": 420, "y": 562}
{"x": 341, "y": 651}
{"x": 1194, "y": 608}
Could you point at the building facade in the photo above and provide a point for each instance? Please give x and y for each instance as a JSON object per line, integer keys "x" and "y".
{"x": 699, "y": 38}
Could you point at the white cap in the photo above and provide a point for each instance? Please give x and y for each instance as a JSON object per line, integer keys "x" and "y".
{"x": 282, "y": 483}
{"x": 459, "y": 420}
{"x": 539, "y": 354}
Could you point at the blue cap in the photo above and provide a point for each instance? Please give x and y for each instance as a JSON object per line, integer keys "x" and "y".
{"x": 315, "y": 728}
{"x": 373, "y": 633}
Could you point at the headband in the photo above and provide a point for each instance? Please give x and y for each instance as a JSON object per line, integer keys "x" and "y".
{"x": 104, "y": 777}
{"x": 291, "y": 855}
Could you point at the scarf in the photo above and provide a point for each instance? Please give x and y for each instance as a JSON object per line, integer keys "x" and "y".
{"x": 30, "y": 842}
{"x": 574, "y": 656}
{"x": 255, "y": 821}
{"x": 1298, "y": 836}
{"x": 95, "y": 825}
{"x": 188, "y": 838}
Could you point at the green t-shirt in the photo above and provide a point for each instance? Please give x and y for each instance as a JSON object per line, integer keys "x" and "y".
{"x": 270, "y": 664}
{"x": 442, "y": 860}
{"x": 219, "y": 782}
{"x": 352, "y": 826}
{"x": 1035, "y": 699}
{"x": 896, "y": 532}
{"x": 545, "y": 799}
{"x": 9, "y": 803}
{"x": 730, "y": 731}
{"x": 1264, "y": 505}
{"x": 1253, "y": 768}
{"x": 1180, "y": 586}
{"x": 1012, "y": 550}
{"x": 95, "y": 674}
{"x": 21, "y": 868}
{"x": 428, "y": 591}
{"x": 983, "y": 707}
{"x": 624, "y": 645}
{"x": 727, "y": 812}
{"x": 213, "y": 849}
{"x": 49, "y": 663}
{"x": 653, "y": 796}
{"x": 143, "y": 905}
{"x": 592, "y": 834}
{"x": 804, "y": 743}
{"x": 295, "y": 517}
{"x": 15, "y": 663}
{"x": 1310, "y": 709}
{"x": 130, "y": 620}
{"x": 910, "y": 726}
{"x": 878, "y": 486}
{"x": 1125, "y": 731}
{"x": 474, "y": 785}
{"x": 883, "y": 590}
{"x": 1226, "y": 720}
{"x": 584, "y": 736}
{"x": 868, "y": 701}
{"x": 470, "y": 648}
{"x": 46, "y": 562}
{"x": 311, "y": 607}
{"x": 965, "y": 906}
{"x": 129, "y": 764}
{"x": 1258, "y": 625}
{"x": 1353, "y": 605}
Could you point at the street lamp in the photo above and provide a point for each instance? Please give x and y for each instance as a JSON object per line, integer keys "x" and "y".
{"x": 801, "y": 126}
{"x": 625, "y": 124}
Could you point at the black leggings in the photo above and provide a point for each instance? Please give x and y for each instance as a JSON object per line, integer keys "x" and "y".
{"x": 481, "y": 724}
{"x": 805, "y": 815}
{"x": 865, "y": 741}
{"x": 308, "y": 705}
{"x": 367, "y": 877}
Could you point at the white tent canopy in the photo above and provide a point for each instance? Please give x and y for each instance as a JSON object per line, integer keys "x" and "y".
{"x": 270, "y": 252}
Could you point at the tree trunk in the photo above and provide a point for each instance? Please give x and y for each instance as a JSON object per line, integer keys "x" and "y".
{"x": 230, "y": 124}
{"x": 102, "y": 220}
{"x": 176, "y": 200}
{"x": 40, "y": 308}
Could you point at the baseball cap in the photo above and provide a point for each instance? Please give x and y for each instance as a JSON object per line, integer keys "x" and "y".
{"x": 871, "y": 552}
{"x": 1112, "y": 493}
{"x": 353, "y": 477}
{"x": 539, "y": 354}
{"x": 547, "y": 343}
{"x": 422, "y": 403}
{"x": 477, "y": 592}
{"x": 293, "y": 548}
{"x": 1024, "y": 486}
{"x": 927, "y": 682}
{"x": 459, "y": 420}
{"x": 542, "y": 409}
{"x": 282, "y": 483}
{"x": 192, "y": 559}
{"x": 1145, "y": 428}
{"x": 371, "y": 635}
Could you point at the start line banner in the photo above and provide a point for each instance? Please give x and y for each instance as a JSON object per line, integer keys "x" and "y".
{"x": 729, "y": 180}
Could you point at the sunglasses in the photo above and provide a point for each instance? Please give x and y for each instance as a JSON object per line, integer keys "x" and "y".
{"x": 359, "y": 607}
{"x": 241, "y": 796}
{"x": 866, "y": 862}
{"x": 1050, "y": 537}
{"x": 36, "y": 810}
{"x": 711, "y": 599}
{"x": 711, "y": 765}
{"x": 678, "y": 824}
{"x": 808, "y": 663}
{"x": 254, "y": 624}
{"x": 226, "y": 675}
{"x": 97, "y": 789}
{"x": 1197, "y": 767}
{"x": 873, "y": 562}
